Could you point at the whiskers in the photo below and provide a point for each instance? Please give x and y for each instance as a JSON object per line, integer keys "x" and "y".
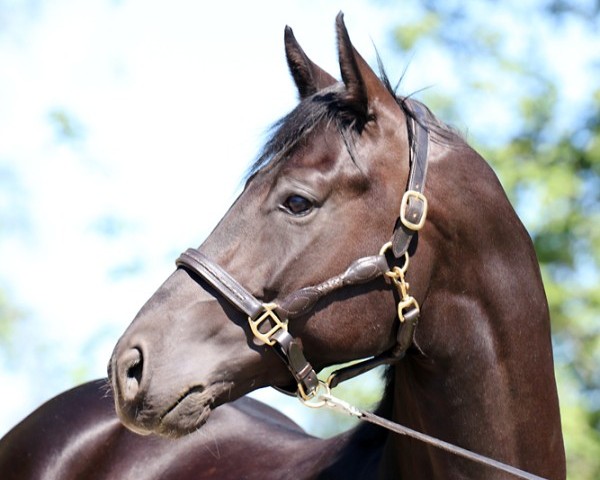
{"x": 106, "y": 389}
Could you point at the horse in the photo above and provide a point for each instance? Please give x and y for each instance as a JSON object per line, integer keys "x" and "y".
{"x": 439, "y": 281}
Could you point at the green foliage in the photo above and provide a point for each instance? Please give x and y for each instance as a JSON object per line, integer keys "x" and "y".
{"x": 408, "y": 35}
{"x": 66, "y": 127}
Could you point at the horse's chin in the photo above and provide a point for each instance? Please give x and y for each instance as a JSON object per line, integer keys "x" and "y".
{"x": 186, "y": 415}
{"x": 184, "y": 419}
{"x": 192, "y": 410}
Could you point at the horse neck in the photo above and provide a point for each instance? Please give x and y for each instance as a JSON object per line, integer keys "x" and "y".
{"x": 481, "y": 375}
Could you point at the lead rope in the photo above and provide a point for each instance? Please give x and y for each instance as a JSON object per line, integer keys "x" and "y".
{"x": 326, "y": 399}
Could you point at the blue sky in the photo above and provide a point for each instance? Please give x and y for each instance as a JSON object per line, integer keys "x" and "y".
{"x": 169, "y": 103}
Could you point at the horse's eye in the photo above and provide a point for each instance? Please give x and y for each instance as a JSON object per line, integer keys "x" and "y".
{"x": 297, "y": 205}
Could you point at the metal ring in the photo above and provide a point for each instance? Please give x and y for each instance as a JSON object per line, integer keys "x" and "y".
{"x": 315, "y": 400}
{"x": 385, "y": 248}
{"x": 404, "y": 267}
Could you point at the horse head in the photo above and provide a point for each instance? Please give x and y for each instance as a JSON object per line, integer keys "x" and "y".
{"x": 325, "y": 191}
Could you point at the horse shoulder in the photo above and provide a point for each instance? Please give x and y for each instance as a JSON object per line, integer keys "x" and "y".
{"x": 59, "y": 437}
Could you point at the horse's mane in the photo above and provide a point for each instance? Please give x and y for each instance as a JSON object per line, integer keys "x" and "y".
{"x": 326, "y": 107}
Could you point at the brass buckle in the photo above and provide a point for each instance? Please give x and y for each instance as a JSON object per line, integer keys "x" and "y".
{"x": 267, "y": 314}
{"x": 408, "y": 195}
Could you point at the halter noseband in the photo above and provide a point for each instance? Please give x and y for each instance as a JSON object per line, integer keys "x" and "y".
{"x": 269, "y": 322}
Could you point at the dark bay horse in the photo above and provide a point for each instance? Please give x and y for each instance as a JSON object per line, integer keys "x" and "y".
{"x": 476, "y": 371}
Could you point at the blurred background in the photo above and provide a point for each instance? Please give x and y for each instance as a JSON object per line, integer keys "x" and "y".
{"x": 122, "y": 119}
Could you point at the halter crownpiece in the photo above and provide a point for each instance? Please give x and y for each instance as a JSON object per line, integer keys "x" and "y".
{"x": 269, "y": 322}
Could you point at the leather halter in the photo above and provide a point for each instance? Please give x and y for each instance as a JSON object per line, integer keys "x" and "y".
{"x": 268, "y": 322}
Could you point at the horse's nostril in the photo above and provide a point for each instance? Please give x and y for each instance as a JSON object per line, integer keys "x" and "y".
{"x": 134, "y": 372}
{"x": 130, "y": 372}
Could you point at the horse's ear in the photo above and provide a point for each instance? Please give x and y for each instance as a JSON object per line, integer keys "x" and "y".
{"x": 309, "y": 77}
{"x": 363, "y": 86}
